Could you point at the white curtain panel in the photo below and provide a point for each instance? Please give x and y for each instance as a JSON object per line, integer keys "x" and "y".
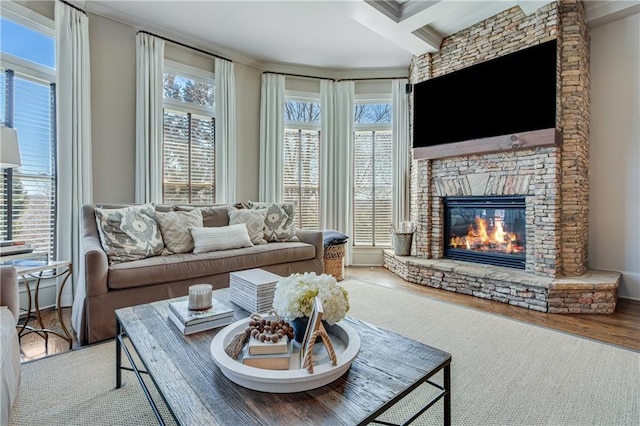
{"x": 225, "y": 99}
{"x": 400, "y": 148}
{"x": 343, "y": 161}
{"x": 73, "y": 105}
{"x": 149, "y": 86}
{"x": 327, "y": 219}
{"x": 272, "y": 138}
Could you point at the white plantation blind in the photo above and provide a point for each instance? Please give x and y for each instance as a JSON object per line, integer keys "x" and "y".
{"x": 302, "y": 175}
{"x": 189, "y": 158}
{"x": 188, "y": 135}
{"x": 372, "y": 187}
{"x": 28, "y": 196}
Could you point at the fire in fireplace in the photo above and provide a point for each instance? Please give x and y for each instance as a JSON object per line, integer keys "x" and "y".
{"x": 487, "y": 230}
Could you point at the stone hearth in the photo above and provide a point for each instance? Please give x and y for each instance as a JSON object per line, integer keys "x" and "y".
{"x": 552, "y": 179}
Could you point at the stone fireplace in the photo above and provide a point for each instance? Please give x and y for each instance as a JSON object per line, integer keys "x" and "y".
{"x": 548, "y": 271}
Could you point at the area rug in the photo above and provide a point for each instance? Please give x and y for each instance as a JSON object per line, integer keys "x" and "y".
{"x": 504, "y": 372}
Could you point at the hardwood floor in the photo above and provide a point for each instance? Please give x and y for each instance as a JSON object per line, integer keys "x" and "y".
{"x": 622, "y": 328}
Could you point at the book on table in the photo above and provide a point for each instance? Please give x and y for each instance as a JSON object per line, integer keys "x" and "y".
{"x": 10, "y": 247}
{"x": 256, "y": 347}
{"x": 188, "y": 317}
{"x": 201, "y": 326}
{"x": 267, "y": 361}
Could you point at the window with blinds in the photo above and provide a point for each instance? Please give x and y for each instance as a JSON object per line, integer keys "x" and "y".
{"x": 189, "y": 136}
{"x": 302, "y": 160}
{"x": 27, "y": 103}
{"x": 372, "y": 174}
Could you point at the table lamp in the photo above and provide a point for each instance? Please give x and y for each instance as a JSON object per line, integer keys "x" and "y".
{"x": 9, "y": 148}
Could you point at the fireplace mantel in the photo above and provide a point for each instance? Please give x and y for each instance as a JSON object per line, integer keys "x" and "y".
{"x": 516, "y": 141}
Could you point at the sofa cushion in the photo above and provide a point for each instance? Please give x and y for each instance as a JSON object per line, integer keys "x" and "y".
{"x": 182, "y": 267}
{"x": 176, "y": 229}
{"x": 279, "y": 222}
{"x": 211, "y": 216}
{"x": 254, "y": 219}
{"x": 220, "y": 238}
{"x": 9, "y": 363}
{"x": 129, "y": 233}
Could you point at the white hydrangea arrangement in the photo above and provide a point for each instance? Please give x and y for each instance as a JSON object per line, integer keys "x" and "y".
{"x": 293, "y": 297}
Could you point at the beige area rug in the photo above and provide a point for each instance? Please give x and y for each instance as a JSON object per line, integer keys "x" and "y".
{"x": 504, "y": 372}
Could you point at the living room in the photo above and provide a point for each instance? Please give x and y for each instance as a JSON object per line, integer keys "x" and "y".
{"x": 608, "y": 207}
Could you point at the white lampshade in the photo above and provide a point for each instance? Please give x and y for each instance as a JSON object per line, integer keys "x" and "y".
{"x": 9, "y": 148}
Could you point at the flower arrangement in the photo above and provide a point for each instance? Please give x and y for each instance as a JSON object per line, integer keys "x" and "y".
{"x": 293, "y": 297}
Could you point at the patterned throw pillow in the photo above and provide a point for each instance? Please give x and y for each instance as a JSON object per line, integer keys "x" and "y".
{"x": 279, "y": 222}
{"x": 254, "y": 219}
{"x": 220, "y": 238}
{"x": 129, "y": 233}
{"x": 176, "y": 229}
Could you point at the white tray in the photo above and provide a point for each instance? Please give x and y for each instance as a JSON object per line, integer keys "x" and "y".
{"x": 346, "y": 344}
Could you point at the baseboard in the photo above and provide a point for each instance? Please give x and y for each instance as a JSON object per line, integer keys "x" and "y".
{"x": 629, "y": 285}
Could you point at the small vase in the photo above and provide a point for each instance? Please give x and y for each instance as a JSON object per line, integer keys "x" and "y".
{"x": 300, "y": 327}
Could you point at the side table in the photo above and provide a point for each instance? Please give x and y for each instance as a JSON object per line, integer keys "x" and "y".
{"x": 35, "y": 268}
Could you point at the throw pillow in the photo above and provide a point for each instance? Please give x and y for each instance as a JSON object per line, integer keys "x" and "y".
{"x": 176, "y": 229}
{"x": 254, "y": 219}
{"x": 279, "y": 222}
{"x": 129, "y": 233}
{"x": 220, "y": 238}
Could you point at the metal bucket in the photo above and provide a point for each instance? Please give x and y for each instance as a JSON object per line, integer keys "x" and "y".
{"x": 402, "y": 243}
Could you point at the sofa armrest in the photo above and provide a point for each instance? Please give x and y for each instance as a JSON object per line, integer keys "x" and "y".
{"x": 93, "y": 257}
{"x": 314, "y": 238}
{"x": 9, "y": 295}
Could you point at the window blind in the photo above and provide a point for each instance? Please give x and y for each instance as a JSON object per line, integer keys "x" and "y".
{"x": 302, "y": 175}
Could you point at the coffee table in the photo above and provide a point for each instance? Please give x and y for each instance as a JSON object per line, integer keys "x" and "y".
{"x": 387, "y": 369}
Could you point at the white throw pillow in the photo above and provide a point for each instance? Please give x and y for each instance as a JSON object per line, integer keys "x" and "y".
{"x": 254, "y": 219}
{"x": 176, "y": 229}
{"x": 220, "y": 238}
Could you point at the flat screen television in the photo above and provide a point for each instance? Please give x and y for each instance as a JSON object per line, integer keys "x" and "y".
{"x": 510, "y": 94}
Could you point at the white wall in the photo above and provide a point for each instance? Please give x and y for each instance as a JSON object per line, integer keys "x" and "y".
{"x": 113, "y": 100}
{"x": 614, "y": 207}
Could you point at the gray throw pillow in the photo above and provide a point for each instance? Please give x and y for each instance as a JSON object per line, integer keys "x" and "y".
{"x": 254, "y": 219}
{"x": 129, "y": 233}
{"x": 211, "y": 216}
{"x": 279, "y": 222}
{"x": 176, "y": 229}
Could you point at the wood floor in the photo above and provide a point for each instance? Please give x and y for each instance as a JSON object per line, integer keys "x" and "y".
{"x": 622, "y": 328}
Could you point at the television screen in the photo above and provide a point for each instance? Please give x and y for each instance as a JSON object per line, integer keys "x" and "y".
{"x": 510, "y": 94}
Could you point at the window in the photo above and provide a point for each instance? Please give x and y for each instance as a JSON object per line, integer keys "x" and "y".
{"x": 302, "y": 159}
{"x": 372, "y": 173}
{"x": 27, "y": 103}
{"x": 189, "y": 136}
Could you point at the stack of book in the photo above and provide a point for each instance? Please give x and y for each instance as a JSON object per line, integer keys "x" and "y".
{"x": 253, "y": 289}
{"x": 11, "y": 247}
{"x": 267, "y": 355}
{"x": 187, "y": 321}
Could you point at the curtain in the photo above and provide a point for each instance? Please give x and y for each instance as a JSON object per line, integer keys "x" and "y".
{"x": 400, "y": 151}
{"x": 73, "y": 105}
{"x": 149, "y": 86}
{"x": 343, "y": 160}
{"x": 327, "y": 217}
{"x": 272, "y": 138}
{"x": 225, "y": 99}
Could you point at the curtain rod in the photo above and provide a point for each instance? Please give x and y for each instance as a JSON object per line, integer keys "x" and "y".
{"x": 333, "y": 79}
{"x": 73, "y": 6}
{"x": 185, "y": 45}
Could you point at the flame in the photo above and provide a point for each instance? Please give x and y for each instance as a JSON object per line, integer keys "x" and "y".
{"x": 481, "y": 238}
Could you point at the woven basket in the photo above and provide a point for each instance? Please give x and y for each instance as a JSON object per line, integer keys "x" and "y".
{"x": 402, "y": 243}
{"x": 334, "y": 261}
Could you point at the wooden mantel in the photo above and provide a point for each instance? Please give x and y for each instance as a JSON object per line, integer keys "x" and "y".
{"x": 524, "y": 140}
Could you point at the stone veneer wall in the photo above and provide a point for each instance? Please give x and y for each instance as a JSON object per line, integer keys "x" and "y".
{"x": 553, "y": 180}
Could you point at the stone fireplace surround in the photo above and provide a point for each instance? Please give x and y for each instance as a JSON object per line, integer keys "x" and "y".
{"x": 553, "y": 179}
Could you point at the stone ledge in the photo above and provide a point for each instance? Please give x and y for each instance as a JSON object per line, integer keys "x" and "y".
{"x": 593, "y": 292}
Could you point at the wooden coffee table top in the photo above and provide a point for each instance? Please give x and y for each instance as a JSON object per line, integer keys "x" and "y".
{"x": 197, "y": 392}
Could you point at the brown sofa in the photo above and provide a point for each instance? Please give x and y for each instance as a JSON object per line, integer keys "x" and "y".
{"x": 103, "y": 288}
